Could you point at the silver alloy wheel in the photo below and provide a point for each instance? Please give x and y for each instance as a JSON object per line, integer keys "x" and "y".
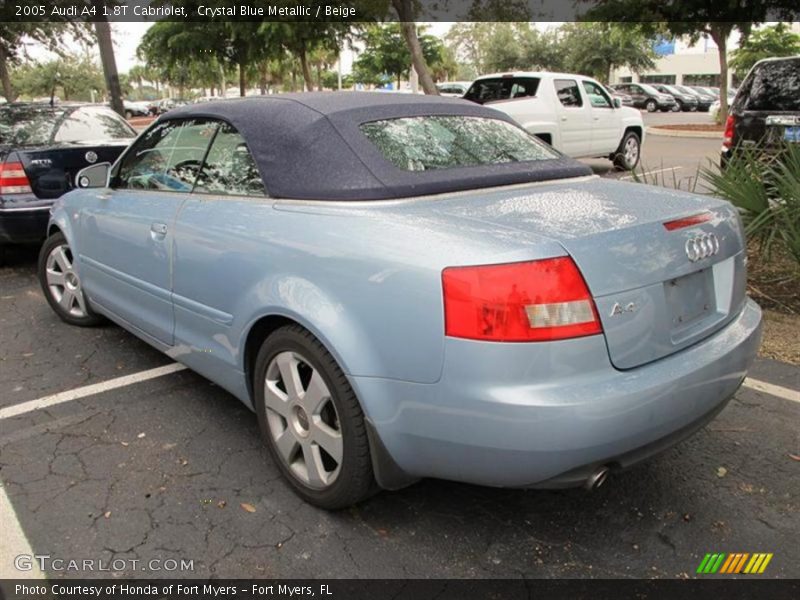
{"x": 63, "y": 283}
{"x": 631, "y": 151}
{"x": 302, "y": 420}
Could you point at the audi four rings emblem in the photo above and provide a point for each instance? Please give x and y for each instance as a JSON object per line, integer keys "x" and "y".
{"x": 702, "y": 246}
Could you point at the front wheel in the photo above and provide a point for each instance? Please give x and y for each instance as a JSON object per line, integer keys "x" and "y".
{"x": 628, "y": 153}
{"x": 651, "y": 106}
{"x": 311, "y": 420}
{"x": 676, "y": 107}
{"x": 61, "y": 284}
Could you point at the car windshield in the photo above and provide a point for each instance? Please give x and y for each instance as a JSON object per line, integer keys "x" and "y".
{"x": 444, "y": 142}
{"x": 671, "y": 90}
{"x": 40, "y": 125}
{"x": 28, "y": 125}
{"x": 93, "y": 123}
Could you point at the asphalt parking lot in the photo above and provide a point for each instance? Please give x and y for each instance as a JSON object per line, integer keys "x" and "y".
{"x": 669, "y": 161}
{"x": 172, "y": 468}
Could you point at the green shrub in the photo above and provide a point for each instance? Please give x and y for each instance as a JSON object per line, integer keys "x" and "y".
{"x": 765, "y": 186}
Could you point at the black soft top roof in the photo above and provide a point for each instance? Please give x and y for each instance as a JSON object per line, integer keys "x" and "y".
{"x": 309, "y": 146}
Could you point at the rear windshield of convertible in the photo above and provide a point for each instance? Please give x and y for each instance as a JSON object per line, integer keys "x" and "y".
{"x": 447, "y": 141}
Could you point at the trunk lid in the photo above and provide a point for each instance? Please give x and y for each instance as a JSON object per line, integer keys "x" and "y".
{"x": 652, "y": 298}
{"x": 51, "y": 171}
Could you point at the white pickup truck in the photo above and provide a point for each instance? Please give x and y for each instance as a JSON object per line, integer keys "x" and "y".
{"x": 573, "y": 113}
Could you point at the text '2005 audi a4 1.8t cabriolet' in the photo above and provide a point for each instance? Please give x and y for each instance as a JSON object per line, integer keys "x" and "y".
{"x": 404, "y": 287}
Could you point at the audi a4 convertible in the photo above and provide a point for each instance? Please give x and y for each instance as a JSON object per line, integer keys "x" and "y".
{"x": 404, "y": 287}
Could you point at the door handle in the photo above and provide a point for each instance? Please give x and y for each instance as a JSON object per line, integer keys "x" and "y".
{"x": 159, "y": 228}
{"x": 563, "y": 118}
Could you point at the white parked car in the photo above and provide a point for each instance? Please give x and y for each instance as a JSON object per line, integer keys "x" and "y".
{"x": 453, "y": 89}
{"x": 135, "y": 109}
{"x": 573, "y": 113}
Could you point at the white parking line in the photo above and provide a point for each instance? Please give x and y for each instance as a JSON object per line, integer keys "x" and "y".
{"x": 14, "y": 543}
{"x": 653, "y": 172}
{"x": 772, "y": 390}
{"x": 89, "y": 390}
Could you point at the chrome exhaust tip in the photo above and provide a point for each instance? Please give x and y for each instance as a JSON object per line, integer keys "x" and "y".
{"x": 597, "y": 478}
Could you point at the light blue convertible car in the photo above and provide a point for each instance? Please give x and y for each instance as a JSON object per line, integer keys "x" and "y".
{"x": 404, "y": 287}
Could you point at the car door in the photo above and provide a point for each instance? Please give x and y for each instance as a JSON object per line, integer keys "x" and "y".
{"x": 211, "y": 270}
{"x": 574, "y": 118}
{"x": 638, "y": 94}
{"x": 606, "y": 120}
{"x": 126, "y": 230}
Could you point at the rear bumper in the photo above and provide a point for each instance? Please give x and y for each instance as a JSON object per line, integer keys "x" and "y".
{"x": 21, "y": 226}
{"x": 544, "y": 415}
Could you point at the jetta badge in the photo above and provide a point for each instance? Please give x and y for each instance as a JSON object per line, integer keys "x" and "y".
{"x": 702, "y": 246}
{"x": 91, "y": 156}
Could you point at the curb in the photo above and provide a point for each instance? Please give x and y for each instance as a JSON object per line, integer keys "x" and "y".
{"x": 711, "y": 135}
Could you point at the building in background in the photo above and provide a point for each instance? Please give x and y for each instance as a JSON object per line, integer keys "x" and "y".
{"x": 683, "y": 63}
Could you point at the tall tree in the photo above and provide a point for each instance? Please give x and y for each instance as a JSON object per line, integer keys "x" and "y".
{"x": 694, "y": 18}
{"x": 407, "y": 13}
{"x": 386, "y": 54}
{"x": 13, "y": 34}
{"x": 106, "y": 47}
{"x": 776, "y": 40}
{"x": 597, "y": 48}
{"x": 71, "y": 77}
{"x": 503, "y": 46}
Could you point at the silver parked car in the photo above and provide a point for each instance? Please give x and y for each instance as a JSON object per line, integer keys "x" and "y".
{"x": 404, "y": 287}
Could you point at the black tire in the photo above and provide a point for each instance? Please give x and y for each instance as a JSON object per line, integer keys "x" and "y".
{"x": 355, "y": 481}
{"x": 621, "y": 159}
{"x": 676, "y": 107}
{"x": 651, "y": 106}
{"x": 128, "y": 115}
{"x": 89, "y": 318}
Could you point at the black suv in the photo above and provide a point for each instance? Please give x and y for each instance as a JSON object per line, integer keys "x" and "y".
{"x": 766, "y": 109}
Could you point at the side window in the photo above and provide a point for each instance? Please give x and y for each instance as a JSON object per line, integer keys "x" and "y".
{"x": 229, "y": 167}
{"x": 568, "y": 93}
{"x": 502, "y": 88}
{"x": 597, "y": 95}
{"x": 167, "y": 157}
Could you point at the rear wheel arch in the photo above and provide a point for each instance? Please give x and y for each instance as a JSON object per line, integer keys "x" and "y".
{"x": 267, "y": 324}
{"x": 387, "y": 474}
{"x": 256, "y": 335}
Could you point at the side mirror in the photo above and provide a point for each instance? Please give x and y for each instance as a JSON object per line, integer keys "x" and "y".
{"x": 95, "y": 176}
{"x": 617, "y": 103}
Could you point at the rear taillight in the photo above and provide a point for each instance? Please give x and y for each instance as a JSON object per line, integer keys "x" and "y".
{"x": 727, "y": 140}
{"x": 518, "y": 302}
{"x": 13, "y": 179}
